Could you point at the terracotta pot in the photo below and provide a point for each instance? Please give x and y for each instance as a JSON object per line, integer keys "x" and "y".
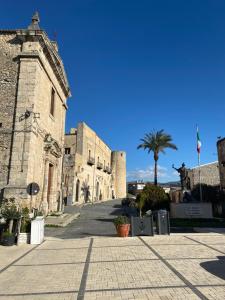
{"x": 123, "y": 230}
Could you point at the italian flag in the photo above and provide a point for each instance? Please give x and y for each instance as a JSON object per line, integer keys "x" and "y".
{"x": 199, "y": 144}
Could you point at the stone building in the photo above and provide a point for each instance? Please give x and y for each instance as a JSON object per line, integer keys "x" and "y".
{"x": 221, "y": 159}
{"x": 33, "y": 94}
{"x": 209, "y": 174}
{"x": 135, "y": 187}
{"x": 91, "y": 170}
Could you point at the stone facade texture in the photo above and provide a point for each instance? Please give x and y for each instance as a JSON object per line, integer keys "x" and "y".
{"x": 209, "y": 175}
{"x": 32, "y": 83}
{"x": 91, "y": 170}
{"x": 221, "y": 159}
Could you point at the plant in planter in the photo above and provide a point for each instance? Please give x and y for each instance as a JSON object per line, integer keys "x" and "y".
{"x": 122, "y": 225}
{"x": 24, "y": 228}
{"x": 8, "y": 238}
{"x": 10, "y": 212}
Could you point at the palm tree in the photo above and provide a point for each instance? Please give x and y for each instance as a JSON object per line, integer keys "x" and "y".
{"x": 157, "y": 141}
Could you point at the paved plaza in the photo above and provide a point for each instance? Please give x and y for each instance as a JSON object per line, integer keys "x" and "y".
{"x": 179, "y": 266}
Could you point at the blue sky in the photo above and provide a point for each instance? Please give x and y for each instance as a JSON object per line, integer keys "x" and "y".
{"x": 151, "y": 64}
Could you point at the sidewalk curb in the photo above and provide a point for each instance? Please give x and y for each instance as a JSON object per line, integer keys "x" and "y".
{"x": 63, "y": 223}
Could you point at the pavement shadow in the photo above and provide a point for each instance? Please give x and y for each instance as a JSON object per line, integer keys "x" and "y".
{"x": 117, "y": 212}
{"x": 215, "y": 267}
{"x": 105, "y": 220}
{"x": 87, "y": 234}
{"x": 182, "y": 230}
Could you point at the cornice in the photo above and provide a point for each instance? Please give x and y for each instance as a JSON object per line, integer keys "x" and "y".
{"x": 51, "y": 55}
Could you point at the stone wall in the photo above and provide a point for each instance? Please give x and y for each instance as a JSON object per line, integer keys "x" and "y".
{"x": 209, "y": 175}
{"x": 90, "y": 178}
{"x": 221, "y": 159}
{"x": 9, "y": 49}
{"x": 119, "y": 173}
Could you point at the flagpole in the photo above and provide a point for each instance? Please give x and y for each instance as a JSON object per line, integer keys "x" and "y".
{"x": 199, "y": 166}
{"x": 200, "y": 184}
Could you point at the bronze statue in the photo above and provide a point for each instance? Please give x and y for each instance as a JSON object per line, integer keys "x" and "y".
{"x": 183, "y": 176}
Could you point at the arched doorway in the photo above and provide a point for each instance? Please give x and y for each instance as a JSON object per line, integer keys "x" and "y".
{"x": 77, "y": 190}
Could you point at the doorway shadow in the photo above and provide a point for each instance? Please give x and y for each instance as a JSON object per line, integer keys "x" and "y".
{"x": 215, "y": 267}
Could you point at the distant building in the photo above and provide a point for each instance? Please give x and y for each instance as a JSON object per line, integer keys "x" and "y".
{"x": 209, "y": 174}
{"x": 91, "y": 170}
{"x": 33, "y": 94}
{"x": 221, "y": 159}
{"x": 135, "y": 187}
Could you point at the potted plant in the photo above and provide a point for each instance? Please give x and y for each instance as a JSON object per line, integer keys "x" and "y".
{"x": 24, "y": 227}
{"x": 122, "y": 225}
{"x": 10, "y": 212}
{"x": 8, "y": 238}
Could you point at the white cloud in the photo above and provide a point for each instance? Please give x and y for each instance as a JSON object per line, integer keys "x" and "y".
{"x": 147, "y": 174}
{"x": 175, "y": 173}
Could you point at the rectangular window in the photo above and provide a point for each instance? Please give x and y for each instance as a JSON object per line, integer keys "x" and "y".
{"x": 52, "y": 107}
{"x": 67, "y": 150}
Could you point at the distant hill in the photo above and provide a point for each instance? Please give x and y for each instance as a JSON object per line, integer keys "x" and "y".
{"x": 170, "y": 183}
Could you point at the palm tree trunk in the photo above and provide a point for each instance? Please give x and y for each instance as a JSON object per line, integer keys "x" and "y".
{"x": 155, "y": 173}
{"x": 10, "y": 225}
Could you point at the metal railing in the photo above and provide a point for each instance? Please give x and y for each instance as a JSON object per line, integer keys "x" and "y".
{"x": 91, "y": 161}
{"x": 99, "y": 166}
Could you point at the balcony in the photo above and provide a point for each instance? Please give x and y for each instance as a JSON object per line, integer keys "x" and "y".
{"x": 109, "y": 171}
{"x": 99, "y": 166}
{"x": 91, "y": 161}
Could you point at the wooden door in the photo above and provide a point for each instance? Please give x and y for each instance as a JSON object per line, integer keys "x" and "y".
{"x": 50, "y": 177}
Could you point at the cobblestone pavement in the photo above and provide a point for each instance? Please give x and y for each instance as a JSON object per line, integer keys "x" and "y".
{"x": 179, "y": 266}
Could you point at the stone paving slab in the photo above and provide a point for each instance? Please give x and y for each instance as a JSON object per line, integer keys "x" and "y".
{"x": 154, "y": 294}
{"x": 176, "y": 267}
{"x": 175, "y": 239}
{"x": 129, "y": 253}
{"x": 195, "y": 273}
{"x": 54, "y": 257}
{"x": 40, "y": 279}
{"x": 214, "y": 293}
{"x": 116, "y": 242}
{"x": 61, "y": 296}
{"x": 125, "y": 274}
{"x": 210, "y": 239}
{"x": 9, "y": 254}
{"x": 185, "y": 251}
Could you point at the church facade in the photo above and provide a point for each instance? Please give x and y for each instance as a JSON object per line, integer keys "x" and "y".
{"x": 33, "y": 95}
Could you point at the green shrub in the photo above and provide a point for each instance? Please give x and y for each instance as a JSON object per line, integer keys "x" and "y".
{"x": 25, "y": 220}
{"x": 209, "y": 193}
{"x": 153, "y": 197}
{"x": 7, "y": 234}
{"x": 10, "y": 212}
{"x": 25, "y": 226}
{"x": 121, "y": 220}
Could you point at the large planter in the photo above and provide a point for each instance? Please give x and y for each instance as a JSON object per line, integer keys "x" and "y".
{"x": 37, "y": 231}
{"x": 23, "y": 238}
{"x": 123, "y": 230}
{"x": 8, "y": 240}
{"x": 142, "y": 226}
